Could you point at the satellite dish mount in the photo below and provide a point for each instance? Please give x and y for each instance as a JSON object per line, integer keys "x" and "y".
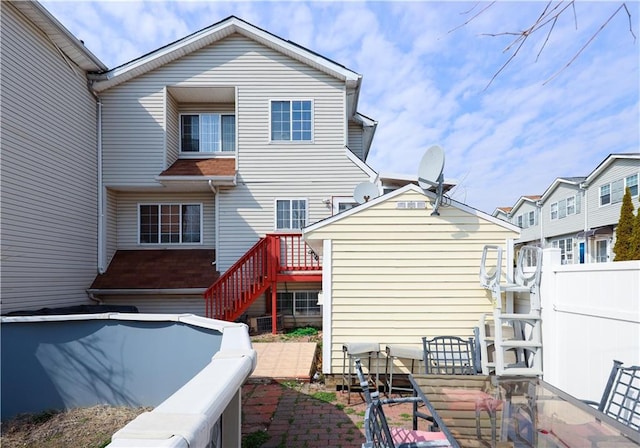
{"x": 365, "y": 191}
{"x": 430, "y": 174}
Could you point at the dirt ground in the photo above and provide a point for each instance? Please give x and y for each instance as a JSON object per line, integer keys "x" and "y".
{"x": 91, "y": 427}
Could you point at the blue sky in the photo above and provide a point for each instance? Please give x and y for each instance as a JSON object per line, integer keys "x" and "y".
{"x": 425, "y": 78}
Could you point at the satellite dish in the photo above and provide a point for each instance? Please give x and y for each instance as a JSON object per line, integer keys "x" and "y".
{"x": 430, "y": 168}
{"x": 430, "y": 174}
{"x": 364, "y": 192}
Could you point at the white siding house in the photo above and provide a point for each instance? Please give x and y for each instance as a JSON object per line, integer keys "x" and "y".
{"x": 236, "y": 87}
{"x": 578, "y": 215}
{"x": 49, "y": 162}
{"x": 394, "y": 273}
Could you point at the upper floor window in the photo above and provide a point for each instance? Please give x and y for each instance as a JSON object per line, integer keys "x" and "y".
{"x": 170, "y": 223}
{"x": 554, "y": 211}
{"x": 291, "y": 214}
{"x": 565, "y": 207}
{"x": 519, "y": 221}
{"x": 571, "y": 205}
{"x": 207, "y": 132}
{"x": 605, "y": 194}
{"x": 291, "y": 120}
{"x": 532, "y": 218}
{"x": 631, "y": 182}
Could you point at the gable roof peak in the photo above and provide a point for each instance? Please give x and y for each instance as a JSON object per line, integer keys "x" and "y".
{"x": 214, "y": 33}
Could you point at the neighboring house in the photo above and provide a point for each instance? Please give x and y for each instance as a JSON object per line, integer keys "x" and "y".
{"x": 225, "y": 139}
{"x": 49, "y": 162}
{"x": 578, "y": 215}
{"x": 393, "y": 273}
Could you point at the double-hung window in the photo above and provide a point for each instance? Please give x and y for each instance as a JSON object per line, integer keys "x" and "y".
{"x": 170, "y": 223}
{"x": 605, "y": 194}
{"x": 292, "y": 120}
{"x": 571, "y": 205}
{"x": 566, "y": 250}
{"x": 554, "y": 211}
{"x": 207, "y": 132}
{"x": 532, "y": 218}
{"x": 631, "y": 182}
{"x": 291, "y": 214}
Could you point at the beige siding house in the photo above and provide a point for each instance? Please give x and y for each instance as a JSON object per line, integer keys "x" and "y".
{"x": 394, "y": 273}
{"x": 49, "y": 162}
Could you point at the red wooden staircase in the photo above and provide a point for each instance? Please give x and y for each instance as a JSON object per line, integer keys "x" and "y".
{"x": 274, "y": 258}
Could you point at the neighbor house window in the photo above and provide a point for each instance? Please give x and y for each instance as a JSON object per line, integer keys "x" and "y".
{"x": 519, "y": 221}
{"x": 566, "y": 250}
{"x": 631, "y": 182}
{"x": 207, "y": 132}
{"x": 605, "y": 194}
{"x": 298, "y": 303}
{"x": 532, "y": 218}
{"x": 571, "y": 205}
{"x": 554, "y": 211}
{"x": 291, "y": 120}
{"x": 291, "y": 214}
{"x": 602, "y": 249}
{"x": 617, "y": 191}
{"x": 170, "y": 223}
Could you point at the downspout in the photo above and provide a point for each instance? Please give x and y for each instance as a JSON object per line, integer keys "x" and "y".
{"x": 101, "y": 235}
{"x": 216, "y": 215}
{"x": 587, "y": 252}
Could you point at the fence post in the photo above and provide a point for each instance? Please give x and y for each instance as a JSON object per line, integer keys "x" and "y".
{"x": 551, "y": 258}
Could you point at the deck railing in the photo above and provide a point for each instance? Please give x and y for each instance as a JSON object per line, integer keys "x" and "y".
{"x": 230, "y": 296}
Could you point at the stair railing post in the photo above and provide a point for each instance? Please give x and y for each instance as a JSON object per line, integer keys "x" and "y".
{"x": 274, "y": 266}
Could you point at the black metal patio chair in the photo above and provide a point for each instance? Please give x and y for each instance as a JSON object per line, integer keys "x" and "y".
{"x": 449, "y": 355}
{"x": 621, "y": 397}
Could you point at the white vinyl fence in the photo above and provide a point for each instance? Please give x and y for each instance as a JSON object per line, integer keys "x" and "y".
{"x": 590, "y": 316}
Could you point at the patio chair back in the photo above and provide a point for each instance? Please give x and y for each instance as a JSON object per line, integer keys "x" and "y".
{"x": 621, "y": 397}
{"x": 364, "y": 383}
{"x": 449, "y": 355}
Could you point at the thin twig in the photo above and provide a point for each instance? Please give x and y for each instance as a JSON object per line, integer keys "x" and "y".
{"x": 472, "y": 18}
{"x": 586, "y": 44}
{"x": 553, "y": 25}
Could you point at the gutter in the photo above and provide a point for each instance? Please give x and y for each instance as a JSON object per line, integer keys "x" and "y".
{"x": 216, "y": 219}
{"x": 101, "y": 235}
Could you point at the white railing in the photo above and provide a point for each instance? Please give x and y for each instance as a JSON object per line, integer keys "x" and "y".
{"x": 590, "y": 316}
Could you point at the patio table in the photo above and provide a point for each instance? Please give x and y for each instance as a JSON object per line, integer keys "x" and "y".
{"x": 489, "y": 411}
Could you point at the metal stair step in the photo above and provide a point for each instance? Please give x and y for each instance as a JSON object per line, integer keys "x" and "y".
{"x": 521, "y": 344}
{"x": 517, "y": 316}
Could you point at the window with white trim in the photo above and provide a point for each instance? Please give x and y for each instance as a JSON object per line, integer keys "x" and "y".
{"x": 207, "y": 132}
{"x": 292, "y": 121}
{"x": 605, "y": 194}
{"x": 566, "y": 250}
{"x": 571, "y": 205}
{"x": 298, "y": 303}
{"x": 532, "y": 218}
{"x": 170, "y": 223}
{"x": 617, "y": 191}
{"x": 519, "y": 221}
{"x": 554, "y": 211}
{"x": 631, "y": 182}
{"x": 602, "y": 251}
{"x": 291, "y": 214}
{"x": 342, "y": 204}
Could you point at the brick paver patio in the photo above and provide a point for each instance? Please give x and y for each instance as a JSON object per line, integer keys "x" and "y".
{"x": 302, "y": 415}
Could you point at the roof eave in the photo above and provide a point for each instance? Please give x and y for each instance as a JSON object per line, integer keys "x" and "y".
{"x": 217, "y": 32}
{"x": 60, "y": 36}
{"x": 230, "y": 181}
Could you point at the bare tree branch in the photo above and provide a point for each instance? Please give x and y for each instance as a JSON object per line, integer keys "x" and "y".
{"x": 548, "y": 18}
{"x": 591, "y": 40}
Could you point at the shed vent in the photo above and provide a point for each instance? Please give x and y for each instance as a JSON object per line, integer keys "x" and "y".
{"x": 411, "y": 204}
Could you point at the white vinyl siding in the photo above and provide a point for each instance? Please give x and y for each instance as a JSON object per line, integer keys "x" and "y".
{"x": 407, "y": 267}
{"x": 166, "y": 304}
{"x": 563, "y": 211}
{"x": 111, "y": 225}
{"x": 48, "y": 171}
{"x": 172, "y": 130}
{"x": 128, "y": 218}
{"x": 618, "y": 169}
{"x": 526, "y": 216}
{"x": 355, "y": 140}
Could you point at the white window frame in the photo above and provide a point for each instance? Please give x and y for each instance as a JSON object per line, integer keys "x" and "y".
{"x": 571, "y": 205}
{"x": 532, "y": 218}
{"x": 597, "y": 244}
{"x": 291, "y": 101}
{"x": 554, "y": 211}
{"x": 608, "y": 194}
{"x": 338, "y": 201}
{"x": 201, "y": 153}
{"x": 627, "y": 182}
{"x": 180, "y": 205}
{"x": 566, "y": 249}
{"x": 520, "y": 221}
{"x": 299, "y": 313}
{"x": 290, "y": 228}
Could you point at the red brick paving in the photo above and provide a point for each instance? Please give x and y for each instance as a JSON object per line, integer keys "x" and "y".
{"x": 293, "y": 418}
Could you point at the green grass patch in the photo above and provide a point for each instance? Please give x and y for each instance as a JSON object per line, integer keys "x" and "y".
{"x": 327, "y": 397}
{"x": 340, "y": 406}
{"x": 301, "y": 332}
{"x": 349, "y": 411}
{"x": 405, "y": 416}
{"x": 255, "y": 439}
